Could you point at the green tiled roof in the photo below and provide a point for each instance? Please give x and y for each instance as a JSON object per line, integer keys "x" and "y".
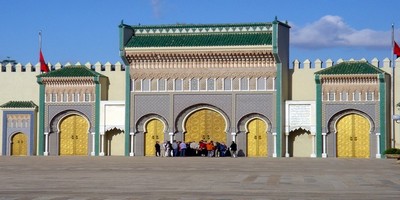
{"x": 19, "y": 104}
{"x": 351, "y": 67}
{"x": 72, "y": 71}
{"x": 197, "y": 40}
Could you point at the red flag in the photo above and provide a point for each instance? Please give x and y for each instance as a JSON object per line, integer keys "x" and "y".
{"x": 396, "y": 49}
{"x": 43, "y": 65}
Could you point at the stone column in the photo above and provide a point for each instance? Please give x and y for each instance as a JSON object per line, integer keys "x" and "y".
{"x": 313, "y": 154}
{"x": 378, "y": 146}
{"x": 132, "y": 135}
{"x": 274, "y": 153}
{"x": 324, "y": 154}
{"x": 287, "y": 145}
{"x": 102, "y": 144}
{"x": 171, "y": 137}
{"x": 93, "y": 144}
{"x": 233, "y": 136}
{"x": 46, "y": 144}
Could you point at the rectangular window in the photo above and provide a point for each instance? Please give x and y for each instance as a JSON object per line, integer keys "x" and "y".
{"x": 210, "y": 84}
{"x": 331, "y": 96}
{"x": 178, "y": 84}
{"x": 161, "y": 84}
{"x": 77, "y": 97}
{"x": 65, "y": 97}
{"x": 146, "y": 85}
{"x": 227, "y": 84}
{"x": 54, "y": 97}
{"x": 87, "y": 97}
{"x": 356, "y": 96}
{"x": 344, "y": 96}
{"x": 138, "y": 85}
{"x": 261, "y": 84}
{"x": 194, "y": 84}
{"x": 244, "y": 84}
{"x": 370, "y": 96}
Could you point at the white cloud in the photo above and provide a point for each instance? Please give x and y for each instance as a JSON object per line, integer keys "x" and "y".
{"x": 156, "y": 5}
{"x": 332, "y": 31}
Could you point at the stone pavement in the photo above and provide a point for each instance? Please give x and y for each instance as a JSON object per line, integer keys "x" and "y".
{"x": 93, "y": 178}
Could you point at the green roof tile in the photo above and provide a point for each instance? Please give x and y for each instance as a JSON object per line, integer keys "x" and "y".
{"x": 198, "y": 40}
{"x": 19, "y": 104}
{"x": 351, "y": 67}
{"x": 72, "y": 71}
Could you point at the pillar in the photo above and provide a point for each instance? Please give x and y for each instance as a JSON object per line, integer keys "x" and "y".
{"x": 102, "y": 144}
{"x": 46, "y": 144}
{"x": 324, "y": 154}
{"x": 378, "y": 146}
{"x": 131, "y": 153}
{"x": 274, "y": 153}
{"x": 93, "y": 144}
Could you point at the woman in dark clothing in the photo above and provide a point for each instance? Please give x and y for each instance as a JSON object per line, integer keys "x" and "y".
{"x": 158, "y": 149}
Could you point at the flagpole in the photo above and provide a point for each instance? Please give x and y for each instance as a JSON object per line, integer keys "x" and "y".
{"x": 393, "y": 93}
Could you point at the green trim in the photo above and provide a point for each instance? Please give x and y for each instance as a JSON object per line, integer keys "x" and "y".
{"x": 185, "y": 26}
{"x": 40, "y": 147}
{"x": 318, "y": 114}
{"x": 127, "y": 109}
{"x": 72, "y": 71}
{"x": 382, "y": 113}
{"x": 97, "y": 116}
{"x": 278, "y": 89}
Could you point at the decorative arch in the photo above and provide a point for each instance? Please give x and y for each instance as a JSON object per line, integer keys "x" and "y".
{"x": 55, "y": 121}
{"x": 335, "y": 118}
{"x": 242, "y": 123}
{"x": 141, "y": 123}
{"x": 183, "y": 116}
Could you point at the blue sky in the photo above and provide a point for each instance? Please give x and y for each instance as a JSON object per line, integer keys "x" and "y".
{"x": 87, "y": 30}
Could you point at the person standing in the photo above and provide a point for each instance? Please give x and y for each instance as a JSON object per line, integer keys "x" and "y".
{"x": 158, "y": 149}
{"x": 182, "y": 147}
{"x": 233, "y": 149}
{"x": 163, "y": 149}
{"x": 175, "y": 148}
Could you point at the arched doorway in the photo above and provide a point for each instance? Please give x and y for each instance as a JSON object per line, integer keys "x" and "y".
{"x": 300, "y": 143}
{"x": 154, "y": 132}
{"x": 205, "y": 124}
{"x": 19, "y": 145}
{"x": 114, "y": 140}
{"x": 353, "y": 136}
{"x": 257, "y": 138}
{"x": 74, "y": 135}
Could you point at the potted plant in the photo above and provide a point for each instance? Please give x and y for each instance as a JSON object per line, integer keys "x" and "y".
{"x": 392, "y": 153}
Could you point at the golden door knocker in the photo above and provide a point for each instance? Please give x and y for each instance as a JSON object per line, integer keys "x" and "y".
{"x": 157, "y": 137}
{"x": 351, "y": 138}
{"x": 152, "y": 137}
{"x": 355, "y": 138}
{"x": 259, "y": 137}
{"x": 72, "y": 137}
{"x": 255, "y": 137}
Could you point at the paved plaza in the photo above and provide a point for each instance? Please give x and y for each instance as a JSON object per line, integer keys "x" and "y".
{"x": 59, "y": 178}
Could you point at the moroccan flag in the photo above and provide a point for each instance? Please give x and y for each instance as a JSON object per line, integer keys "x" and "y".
{"x": 396, "y": 49}
{"x": 43, "y": 65}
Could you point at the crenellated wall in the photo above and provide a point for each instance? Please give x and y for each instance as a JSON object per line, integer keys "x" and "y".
{"x": 19, "y": 81}
{"x": 302, "y": 81}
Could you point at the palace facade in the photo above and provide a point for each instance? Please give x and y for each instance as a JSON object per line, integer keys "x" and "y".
{"x": 192, "y": 82}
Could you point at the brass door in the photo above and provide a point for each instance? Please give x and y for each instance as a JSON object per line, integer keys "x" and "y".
{"x": 205, "y": 125}
{"x": 353, "y": 137}
{"x": 257, "y": 138}
{"x": 19, "y": 145}
{"x": 74, "y": 135}
{"x": 155, "y": 132}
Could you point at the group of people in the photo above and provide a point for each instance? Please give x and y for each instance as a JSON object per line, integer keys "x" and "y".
{"x": 202, "y": 148}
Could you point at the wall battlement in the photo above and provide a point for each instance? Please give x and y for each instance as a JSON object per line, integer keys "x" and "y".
{"x": 385, "y": 64}
{"x": 29, "y": 67}
{"x": 316, "y": 65}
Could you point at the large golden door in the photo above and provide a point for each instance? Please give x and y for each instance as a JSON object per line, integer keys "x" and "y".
{"x": 19, "y": 145}
{"x": 353, "y": 137}
{"x": 74, "y": 135}
{"x": 155, "y": 132}
{"x": 205, "y": 125}
{"x": 257, "y": 138}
